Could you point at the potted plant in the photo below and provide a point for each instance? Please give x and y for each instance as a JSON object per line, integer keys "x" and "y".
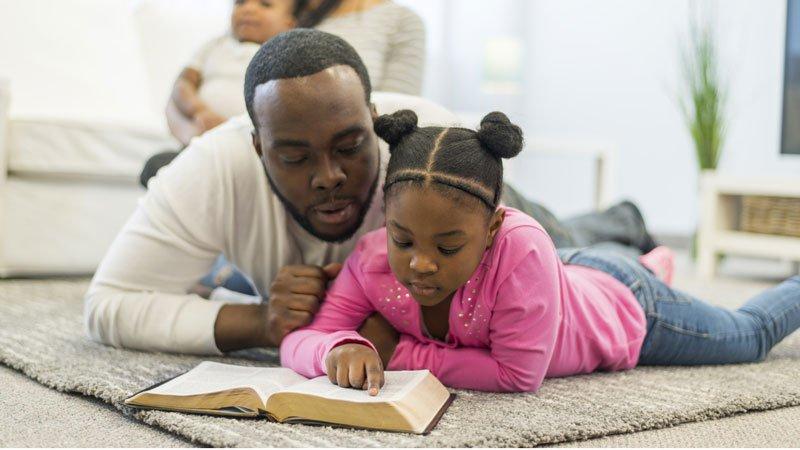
{"x": 702, "y": 103}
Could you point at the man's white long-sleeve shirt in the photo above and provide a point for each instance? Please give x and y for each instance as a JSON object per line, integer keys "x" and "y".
{"x": 213, "y": 199}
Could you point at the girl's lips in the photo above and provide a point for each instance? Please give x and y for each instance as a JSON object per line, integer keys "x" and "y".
{"x": 335, "y": 214}
{"x": 423, "y": 290}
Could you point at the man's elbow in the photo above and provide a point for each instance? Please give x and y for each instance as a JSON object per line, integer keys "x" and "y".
{"x": 98, "y": 318}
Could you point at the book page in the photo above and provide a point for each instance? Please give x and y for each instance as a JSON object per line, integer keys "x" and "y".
{"x": 398, "y": 385}
{"x": 210, "y": 377}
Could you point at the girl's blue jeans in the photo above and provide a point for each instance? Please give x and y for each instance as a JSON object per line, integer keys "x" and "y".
{"x": 683, "y": 330}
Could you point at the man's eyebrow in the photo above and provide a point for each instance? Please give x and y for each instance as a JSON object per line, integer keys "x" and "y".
{"x": 349, "y": 130}
{"x": 290, "y": 143}
{"x": 299, "y": 143}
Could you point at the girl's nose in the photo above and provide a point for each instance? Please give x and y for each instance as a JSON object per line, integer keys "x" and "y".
{"x": 422, "y": 264}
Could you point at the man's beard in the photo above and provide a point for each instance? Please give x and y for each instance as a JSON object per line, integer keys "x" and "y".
{"x": 304, "y": 222}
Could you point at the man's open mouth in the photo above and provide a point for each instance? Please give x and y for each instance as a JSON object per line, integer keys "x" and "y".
{"x": 336, "y": 212}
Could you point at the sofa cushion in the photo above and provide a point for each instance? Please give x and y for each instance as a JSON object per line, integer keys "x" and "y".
{"x": 80, "y": 149}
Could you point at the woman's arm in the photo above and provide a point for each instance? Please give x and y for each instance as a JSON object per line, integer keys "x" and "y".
{"x": 522, "y": 331}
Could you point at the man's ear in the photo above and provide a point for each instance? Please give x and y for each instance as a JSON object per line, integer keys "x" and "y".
{"x": 256, "y": 143}
{"x": 494, "y": 226}
{"x": 373, "y": 112}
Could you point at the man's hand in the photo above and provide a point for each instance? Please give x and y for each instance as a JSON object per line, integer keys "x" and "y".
{"x": 382, "y": 335}
{"x": 295, "y": 297}
{"x": 356, "y": 366}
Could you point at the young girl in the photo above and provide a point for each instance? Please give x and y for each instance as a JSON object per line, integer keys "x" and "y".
{"x": 480, "y": 297}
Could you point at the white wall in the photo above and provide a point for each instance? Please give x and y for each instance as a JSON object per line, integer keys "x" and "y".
{"x": 111, "y": 61}
{"x": 609, "y": 71}
{"x": 75, "y": 59}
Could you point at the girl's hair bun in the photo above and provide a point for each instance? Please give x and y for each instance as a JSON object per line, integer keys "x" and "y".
{"x": 392, "y": 128}
{"x": 499, "y": 136}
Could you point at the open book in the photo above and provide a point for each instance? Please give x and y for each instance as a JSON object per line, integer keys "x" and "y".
{"x": 410, "y": 401}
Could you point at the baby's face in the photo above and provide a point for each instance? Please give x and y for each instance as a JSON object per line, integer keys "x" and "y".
{"x": 259, "y": 20}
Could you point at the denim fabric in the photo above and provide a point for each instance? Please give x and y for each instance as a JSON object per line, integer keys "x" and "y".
{"x": 621, "y": 224}
{"x": 226, "y": 275}
{"x": 683, "y": 330}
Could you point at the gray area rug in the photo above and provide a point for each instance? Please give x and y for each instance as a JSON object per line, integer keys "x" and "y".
{"x": 41, "y": 335}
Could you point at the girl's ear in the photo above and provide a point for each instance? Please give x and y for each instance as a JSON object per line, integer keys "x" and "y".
{"x": 494, "y": 226}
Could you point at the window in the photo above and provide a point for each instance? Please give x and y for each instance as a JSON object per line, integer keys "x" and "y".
{"x": 790, "y": 135}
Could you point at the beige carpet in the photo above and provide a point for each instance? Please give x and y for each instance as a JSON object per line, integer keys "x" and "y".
{"x": 43, "y": 417}
{"x": 41, "y": 335}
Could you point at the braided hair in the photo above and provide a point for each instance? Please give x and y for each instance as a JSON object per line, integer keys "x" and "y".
{"x": 455, "y": 160}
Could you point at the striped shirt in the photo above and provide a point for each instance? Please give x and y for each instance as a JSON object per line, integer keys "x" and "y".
{"x": 390, "y": 40}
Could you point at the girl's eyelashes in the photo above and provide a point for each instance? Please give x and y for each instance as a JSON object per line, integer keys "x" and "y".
{"x": 401, "y": 244}
{"x": 449, "y": 251}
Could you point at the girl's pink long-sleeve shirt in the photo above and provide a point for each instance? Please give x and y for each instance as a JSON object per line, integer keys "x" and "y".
{"x": 521, "y": 317}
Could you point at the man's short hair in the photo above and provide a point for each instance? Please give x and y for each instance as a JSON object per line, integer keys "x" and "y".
{"x": 300, "y": 53}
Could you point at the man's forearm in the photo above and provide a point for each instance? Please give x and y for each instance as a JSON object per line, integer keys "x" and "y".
{"x": 241, "y": 326}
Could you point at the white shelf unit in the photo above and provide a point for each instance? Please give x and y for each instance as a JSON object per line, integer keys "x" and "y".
{"x": 720, "y": 207}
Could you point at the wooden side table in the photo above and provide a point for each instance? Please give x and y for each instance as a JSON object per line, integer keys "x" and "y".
{"x": 720, "y": 233}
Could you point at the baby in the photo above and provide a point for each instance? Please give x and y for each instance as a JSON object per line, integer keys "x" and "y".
{"x": 209, "y": 90}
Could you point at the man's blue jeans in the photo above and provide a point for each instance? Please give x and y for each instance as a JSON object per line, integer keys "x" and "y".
{"x": 683, "y": 330}
{"x": 224, "y": 274}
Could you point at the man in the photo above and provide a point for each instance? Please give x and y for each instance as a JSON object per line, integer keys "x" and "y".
{"x": 284, "y": 196}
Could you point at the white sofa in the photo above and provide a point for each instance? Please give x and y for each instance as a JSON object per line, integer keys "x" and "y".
{"x": 81, "y": 109}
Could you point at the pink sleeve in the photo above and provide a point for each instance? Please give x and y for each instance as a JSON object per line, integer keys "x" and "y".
{"x": 344, "y": 310}
{"x": 522, "y": 333}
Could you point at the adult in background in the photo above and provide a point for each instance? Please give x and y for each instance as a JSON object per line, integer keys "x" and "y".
{"x": 389, "y": 38}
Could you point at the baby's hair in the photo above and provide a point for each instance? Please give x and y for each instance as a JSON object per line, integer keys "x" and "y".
{"x": 454, "y": 158}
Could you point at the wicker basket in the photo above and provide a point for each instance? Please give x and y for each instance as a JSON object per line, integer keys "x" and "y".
{"x": 771, "y": 215}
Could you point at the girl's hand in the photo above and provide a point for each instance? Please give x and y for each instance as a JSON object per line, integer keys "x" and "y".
{"x": 382, "y": 334}
{"x": 356, "y": 366}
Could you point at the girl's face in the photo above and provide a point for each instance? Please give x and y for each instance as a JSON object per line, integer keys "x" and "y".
{"x": 260, "y": 20}
{"x": 436, "y": 243}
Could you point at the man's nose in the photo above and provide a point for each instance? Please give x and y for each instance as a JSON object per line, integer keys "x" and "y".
{"x": 422, "y": 264}
{"x": 329, "y": 176}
